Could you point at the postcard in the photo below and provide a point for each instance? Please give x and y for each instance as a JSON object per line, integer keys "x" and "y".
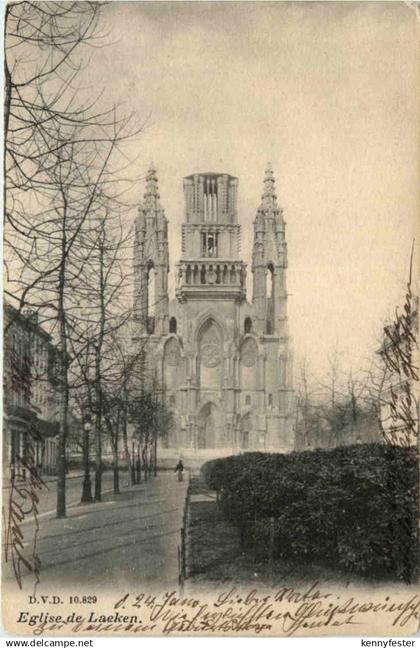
{"x": 210, "y": 405}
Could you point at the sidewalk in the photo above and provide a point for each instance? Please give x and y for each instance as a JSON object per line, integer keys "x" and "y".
{"x": 71, "y": 474}
{"x": 127, "y": 539}
{"x": 47, "y": 479}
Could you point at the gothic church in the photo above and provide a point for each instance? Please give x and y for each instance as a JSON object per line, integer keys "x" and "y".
{"x": 222, "y": 363}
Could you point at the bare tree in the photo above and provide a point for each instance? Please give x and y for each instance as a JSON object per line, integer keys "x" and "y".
{"x": 148, "y": 414}
{"x": 58, "y": 164}
{"x": 307, "y": 416}
{"x": 333, "y": 409}
{"x": 44, "y": 43}
{"x": 396, "y": 372}
{"x": 377, "y": 384}
{"x": 330, "y": 404}
{"x": 108, "y": 283}
{"x": 61, "y": 257}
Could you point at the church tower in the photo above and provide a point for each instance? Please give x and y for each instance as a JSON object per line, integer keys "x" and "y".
{"x": 269, "y": 263}
{"x": 151, "y": 262}
{"x": 210, "y": 266}
{"x": 210, "y": 293}
{"x": 221, "y": 363}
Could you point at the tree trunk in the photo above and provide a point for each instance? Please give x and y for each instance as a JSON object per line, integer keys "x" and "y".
{"x": 98, "y": 462}
{"x": 63, "y": 383}
{"x": 63, "y": 419}
{"x": 98, "y": 431}
{"x": 138, "y": 465}
{"x": 127, "y": 452}
{"x": 116, "y": 468}
{"x": 155, "y": 459}
{"x": 7, "y": 87}
{"x": 114, "y": 438}
{"x": 87, "y": 487}
{"x": 116, "y": 479}
{"x": 145, "y": 462}
{"x": 61, "y": 458}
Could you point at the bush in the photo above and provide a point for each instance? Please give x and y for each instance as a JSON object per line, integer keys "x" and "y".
{"x": 354, "y": 506}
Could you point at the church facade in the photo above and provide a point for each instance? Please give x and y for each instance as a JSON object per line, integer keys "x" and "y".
{"x": 222, "y": 362}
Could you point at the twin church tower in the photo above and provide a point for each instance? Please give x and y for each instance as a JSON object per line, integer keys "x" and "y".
{"x": 223, "y": 363}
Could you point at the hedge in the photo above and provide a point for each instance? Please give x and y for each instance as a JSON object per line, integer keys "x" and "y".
{"x": 355, "y": 507}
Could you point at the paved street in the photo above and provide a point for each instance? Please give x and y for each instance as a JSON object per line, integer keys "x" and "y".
{"x": 126, "y": 539}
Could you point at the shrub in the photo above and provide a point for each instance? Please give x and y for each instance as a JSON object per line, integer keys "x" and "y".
{"x": 355, "y": 506}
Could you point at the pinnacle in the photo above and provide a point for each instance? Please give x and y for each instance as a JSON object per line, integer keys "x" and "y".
{"x": 269, "y": 170}
{"x": 151, "y": 195}
{"x": 269, "y": 196}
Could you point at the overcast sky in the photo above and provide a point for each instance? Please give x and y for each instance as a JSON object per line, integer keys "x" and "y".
{"x": 326, "y": 92}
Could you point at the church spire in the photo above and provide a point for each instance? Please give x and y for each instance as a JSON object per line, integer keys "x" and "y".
{"x": 151, "y": 261}
{"x": 269, "y": 196}
{"x": 269, "y": 262}
{"x": 151, "y": 195}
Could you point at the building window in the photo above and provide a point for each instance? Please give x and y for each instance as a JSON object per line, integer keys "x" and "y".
{"x": 247, "y": 399}
{"x": 209, "y": 244}
{"x": 270, "y": 399}
{"x": 212, "y": 245}
{"x": 247, "y": 325}
{"x": 269, "y": 280}
{"x": 172, "y": 399}
{"x": 269, "y": 298}
{"x": 151, "y": 298}
{"x": 172, "y": 325}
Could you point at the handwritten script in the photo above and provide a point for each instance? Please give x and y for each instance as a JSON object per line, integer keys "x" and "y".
{"x": 398, "y": 352}
{"x": 282, "y": 610}
{"x": 25, "y": 483}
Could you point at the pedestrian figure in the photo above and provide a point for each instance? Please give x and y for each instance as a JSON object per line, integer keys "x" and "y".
{"x": 179, "y": 469}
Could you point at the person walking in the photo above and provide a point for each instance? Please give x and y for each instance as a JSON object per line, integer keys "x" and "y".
{"x": 179, "y": 469}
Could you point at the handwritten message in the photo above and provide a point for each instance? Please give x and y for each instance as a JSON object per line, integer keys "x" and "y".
{"x": 399, "y": 352}
{"x": 283, "y": 610}
{"x": 23, "y": 500}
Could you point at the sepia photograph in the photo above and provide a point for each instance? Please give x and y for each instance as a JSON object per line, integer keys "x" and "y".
{"x": 210, "y": 319}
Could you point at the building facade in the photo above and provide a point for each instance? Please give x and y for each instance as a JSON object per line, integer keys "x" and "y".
{"x": 223, "y": 363}
{"x": 30, "y": 428}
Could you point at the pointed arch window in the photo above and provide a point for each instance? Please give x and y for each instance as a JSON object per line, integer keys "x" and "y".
{"x": 172, "y": 325}
{"x": 151, "y": 297}
{"x": 269, "y": 281}
{"x": 269, "y": 298}
{"x": 209, "y": 244}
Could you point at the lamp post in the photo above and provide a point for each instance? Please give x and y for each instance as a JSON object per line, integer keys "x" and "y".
{"x": 87, "y": 488}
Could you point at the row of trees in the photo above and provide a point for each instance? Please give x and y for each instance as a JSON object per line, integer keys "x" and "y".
{"x": 334, "y": 406}
{"x": 378, "y": 402}
{"x": 67, "y": 245}
{"x": 115, "y": 405}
